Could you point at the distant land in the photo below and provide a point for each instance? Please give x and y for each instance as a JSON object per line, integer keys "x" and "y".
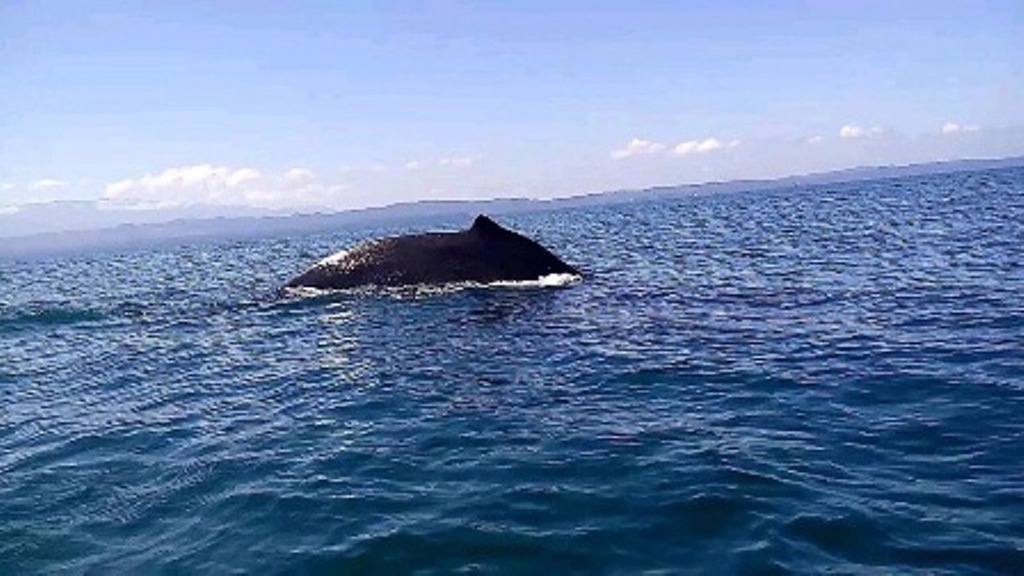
{"x": 25, "y": 233}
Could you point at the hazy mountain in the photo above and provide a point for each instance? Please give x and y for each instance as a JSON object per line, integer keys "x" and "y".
{"x": 65, "y": 227}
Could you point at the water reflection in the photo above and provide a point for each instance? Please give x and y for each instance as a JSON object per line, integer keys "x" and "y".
{"x": 338, "y": 346}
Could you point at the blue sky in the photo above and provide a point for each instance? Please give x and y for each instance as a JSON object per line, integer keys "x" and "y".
{"x": 344, "y": 104}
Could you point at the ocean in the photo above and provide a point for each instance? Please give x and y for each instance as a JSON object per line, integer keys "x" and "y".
{"x": 810, "y": 379}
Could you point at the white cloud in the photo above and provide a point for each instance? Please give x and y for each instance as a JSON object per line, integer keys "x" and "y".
{"x": 637, "y": 147}
{"x": 242, "y": 175}
{"x": 378, "y": 167}
{"x": 458, "y": 161}
{"x": 851, "y": 131}
{"x": 701, "y": 146}
{"x": 693, "y": 147}
{"x": 412, "y": 165}
{"x": 295, "y": 176}
{"x": 47, "y": 184}
{"x": 220, "y": 185}
{"x": 7, "y": 186}
{"x": 816, "y": 139}
{"x": 954, "y": 128}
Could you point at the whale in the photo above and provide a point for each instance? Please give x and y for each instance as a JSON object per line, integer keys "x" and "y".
{"x": 485, "y": 253}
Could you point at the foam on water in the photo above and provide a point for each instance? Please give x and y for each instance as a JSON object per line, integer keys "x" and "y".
{"x": 547, "y": 281}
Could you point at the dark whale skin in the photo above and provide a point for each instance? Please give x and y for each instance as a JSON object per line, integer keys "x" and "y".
{"x": 484, "y": 253}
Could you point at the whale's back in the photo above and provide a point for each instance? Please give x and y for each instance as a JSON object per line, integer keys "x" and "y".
{"x": 484, "y": 253}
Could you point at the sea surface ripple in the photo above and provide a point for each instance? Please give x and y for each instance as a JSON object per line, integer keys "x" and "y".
{"x": 825, "y": 378}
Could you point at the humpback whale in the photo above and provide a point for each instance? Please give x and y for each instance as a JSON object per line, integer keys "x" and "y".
{"x": 485, "y": 253}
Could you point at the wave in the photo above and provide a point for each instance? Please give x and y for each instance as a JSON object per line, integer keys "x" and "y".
{"x": 47, "y": 315}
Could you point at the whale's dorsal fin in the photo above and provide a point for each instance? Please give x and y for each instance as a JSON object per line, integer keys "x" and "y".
{"x": 484, "y": 225}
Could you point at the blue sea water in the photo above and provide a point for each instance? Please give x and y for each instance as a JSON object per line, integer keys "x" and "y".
{"x": 806, "y": 380}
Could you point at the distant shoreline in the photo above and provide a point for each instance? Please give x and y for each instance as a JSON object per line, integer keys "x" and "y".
{"x": 200, "y": 225}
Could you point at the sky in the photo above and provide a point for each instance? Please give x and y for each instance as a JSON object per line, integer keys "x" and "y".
{"x": 332, "y": 105}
